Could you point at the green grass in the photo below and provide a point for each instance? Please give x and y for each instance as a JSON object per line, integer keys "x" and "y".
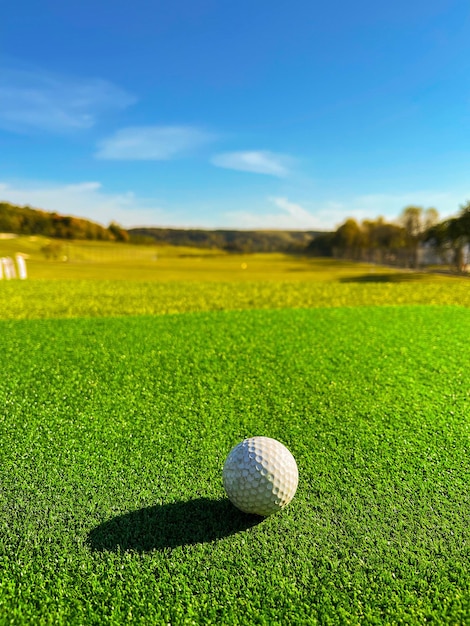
{"x": 114, "y": 432}
{"x": 92, "y": 260}
{"x": 46, "y": 299}
{"x": 116, "y": 418}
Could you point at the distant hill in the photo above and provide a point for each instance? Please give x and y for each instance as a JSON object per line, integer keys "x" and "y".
{"x": 23, "y": 220}
{"x": 229, "y": 240}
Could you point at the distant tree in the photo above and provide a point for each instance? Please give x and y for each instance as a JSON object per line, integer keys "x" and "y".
{"x": 412, "y": 221}
{"x": 23, "y": 220}
{"x": 437, "y": 236}
{"x": 348, "y": 240}
{"x": 431, "y": 218}
{"x": 464, "y": 217}
{"x": 118, "y": 232}
{"x": 451, "y": 237}
{"x": 373, "y": 241}
{"x": 321, "y": 245}
{"x": 383, "y": 240}
{"x": 458, "y": 239}
{"x": 416, "y": 221}
{"x": 458, "y": 230}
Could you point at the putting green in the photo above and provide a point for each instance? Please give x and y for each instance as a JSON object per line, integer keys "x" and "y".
{"x": 114, "y": 432}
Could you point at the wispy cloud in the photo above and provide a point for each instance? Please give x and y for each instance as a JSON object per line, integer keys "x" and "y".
{"x": 88, "y": 200}
{"x": 91, "y": 200}
{"x": 256, "y": 161}
{"x": 291, "y": 216}
{"x": 329, "y": 214}
{"x": 32, "y": 100}
{"x": 152, "y": 143}
{"x": 294, "y": 210}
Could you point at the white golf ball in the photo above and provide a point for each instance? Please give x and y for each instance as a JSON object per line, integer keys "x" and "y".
{"x": 260, "y": 476}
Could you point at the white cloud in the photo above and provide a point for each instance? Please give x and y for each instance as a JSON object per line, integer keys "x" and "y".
{"x": 292, "y": 216}
{"x": 90, "y": 200}
{"x": 40, "y": 100}
{"x": 152, "y": 143}
{"x": 329, "y": 214}
{"x": 295, "y": 211}
{"x": 86, "y": 199}
{"x": 257, "y": 161}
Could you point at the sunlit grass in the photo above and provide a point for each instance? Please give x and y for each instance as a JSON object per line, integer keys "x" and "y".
{"x": 91, "y": 260}
{"x": 107, "y": 279}
{"x": 66, "y": 298}
{"x": 114, "y": 432}
{"x": 114, "y": 427}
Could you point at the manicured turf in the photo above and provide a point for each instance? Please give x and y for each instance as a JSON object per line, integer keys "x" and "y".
{"x": 113, "y": 435}
{"x": 46, "y": 299}
{"x": 94, "y": 260}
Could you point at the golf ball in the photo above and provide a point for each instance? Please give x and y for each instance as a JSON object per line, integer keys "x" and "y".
{"x": 260, "y": 476}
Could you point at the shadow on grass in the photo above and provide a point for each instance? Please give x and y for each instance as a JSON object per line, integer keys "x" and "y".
{"x": 170, "y": 525}
{"x": 384, "y": 278}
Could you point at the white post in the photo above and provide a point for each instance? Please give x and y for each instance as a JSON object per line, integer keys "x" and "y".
{"x": 11, "y": 267}
{"x": 21, "y": 263}
{"x": 6, "y": 267}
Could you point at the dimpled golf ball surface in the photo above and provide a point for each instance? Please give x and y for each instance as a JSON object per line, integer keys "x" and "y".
{"x": 260, "y": 476}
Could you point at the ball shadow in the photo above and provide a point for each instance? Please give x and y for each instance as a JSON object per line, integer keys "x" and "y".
{"x": 401, "y": 277}
{"x": 170, "y": 525}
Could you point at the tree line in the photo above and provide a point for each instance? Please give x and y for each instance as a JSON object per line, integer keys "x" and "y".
{"x": 27, "y": 221}
{"x": 402, "y": 243}
{"x": 241, "y": 241}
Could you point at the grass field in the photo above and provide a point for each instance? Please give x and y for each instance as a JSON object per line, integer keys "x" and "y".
{"x": 117, "y": 413}
{"x": 91, "y": 260}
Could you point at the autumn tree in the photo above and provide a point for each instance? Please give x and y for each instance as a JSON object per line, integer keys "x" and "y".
{"x": 347, "y": 240}
{"x": 118, "y": 233}
{"x": 416, "y": 221}
{"x": 458, "y": 235}
{"x": 451, "y": 238}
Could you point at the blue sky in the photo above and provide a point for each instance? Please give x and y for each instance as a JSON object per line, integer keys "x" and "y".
{"x": 247, "y": 114}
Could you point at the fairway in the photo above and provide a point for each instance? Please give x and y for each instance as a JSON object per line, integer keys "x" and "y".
{"x": 69, "y": 299}
{"x": 107, "y": 261}
{"x": 113, "y": 436}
